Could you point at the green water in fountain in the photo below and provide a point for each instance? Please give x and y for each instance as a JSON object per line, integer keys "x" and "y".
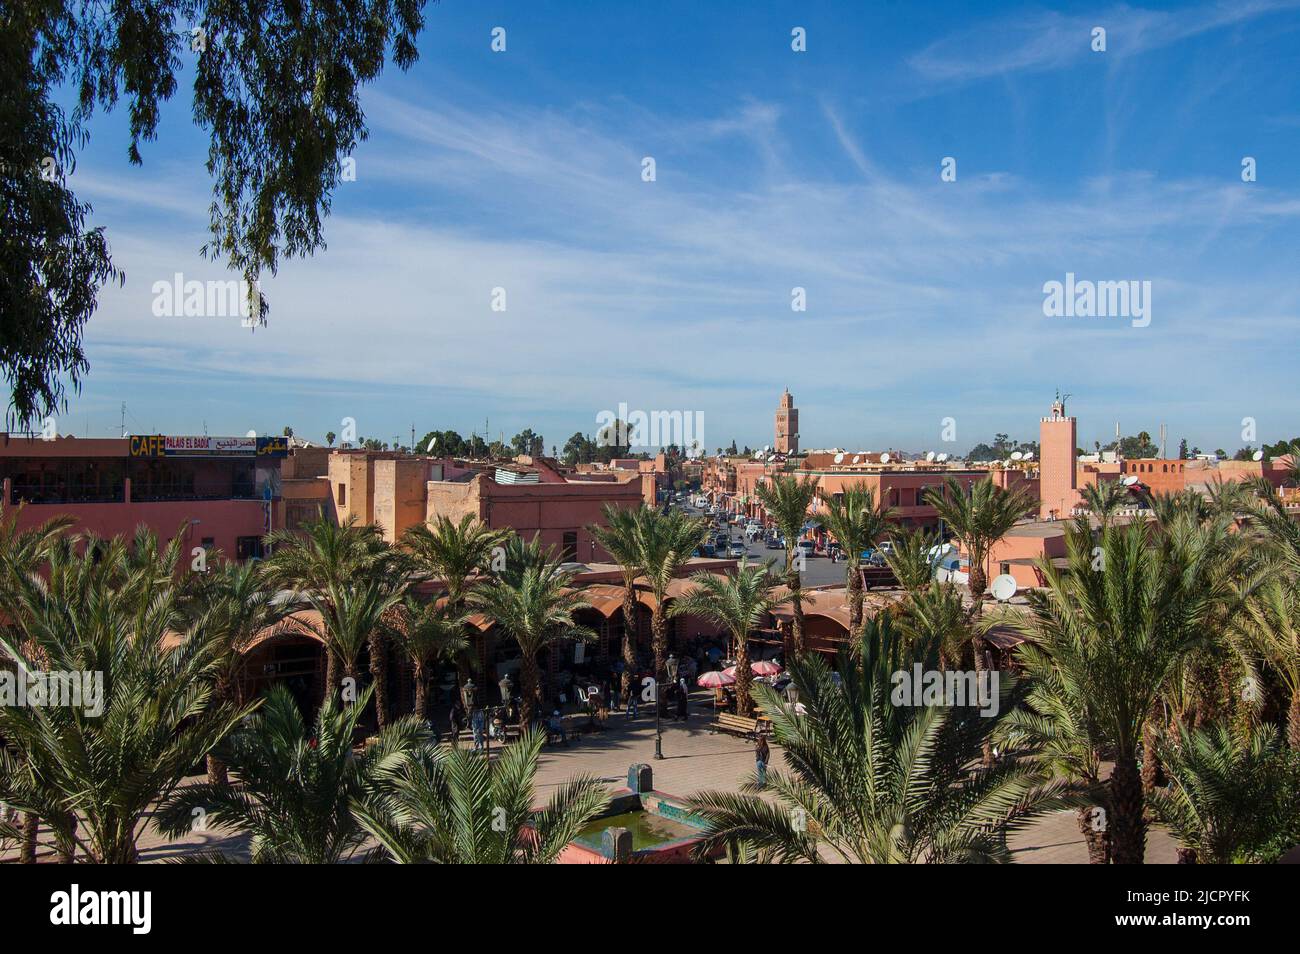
{"x": 648, "y": 830}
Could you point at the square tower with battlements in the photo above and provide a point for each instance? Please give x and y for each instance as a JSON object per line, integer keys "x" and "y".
{"x": 787, "y": 425}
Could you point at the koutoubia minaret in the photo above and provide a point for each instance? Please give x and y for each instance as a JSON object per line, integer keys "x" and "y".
{"x": 787, "y": 425}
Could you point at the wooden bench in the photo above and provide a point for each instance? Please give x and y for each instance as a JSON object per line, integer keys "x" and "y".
{"x": 877, "y": 576}
{"x": 737, "y": 725}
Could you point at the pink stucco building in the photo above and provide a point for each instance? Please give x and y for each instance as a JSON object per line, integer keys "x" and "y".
{"x": 220, "y": 493}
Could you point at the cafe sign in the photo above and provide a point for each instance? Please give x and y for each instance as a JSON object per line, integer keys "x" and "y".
{"x": 162, "y": 445}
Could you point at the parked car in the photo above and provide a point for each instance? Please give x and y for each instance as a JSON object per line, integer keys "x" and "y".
{"x": 736, "y": 551}
{"x": 706, "y": 550}
{"x": 774, "y": 542}
{"x": 949, "y": 570}
{"x": 806, "y": 547}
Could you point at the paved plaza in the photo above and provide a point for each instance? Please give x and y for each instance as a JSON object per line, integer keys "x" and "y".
{"x": 696, "y": 759}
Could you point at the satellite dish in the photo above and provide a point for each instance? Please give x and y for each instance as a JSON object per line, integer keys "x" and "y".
{"x": 1003, "y": 587}
{"x": 1028, "y": 455}
{"x": 941, "y": 458}
{"x": 1258, "y": 455}
{"x": 1016, "y": 455}
{"x": 766, "y": 448}
{"x": 884, "y": 458}
{"x": 1129, "y": 481}
{"x": 432, "y": 440}
{"x": 839, "y": 458}
{"x": 251, "y": 434}
{"x": 929, "y": 456}
{"x": 856, "y": 458}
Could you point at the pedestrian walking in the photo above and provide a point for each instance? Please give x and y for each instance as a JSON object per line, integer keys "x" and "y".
{"x": 478, "y": 721}
{"x": 761, "y": 755}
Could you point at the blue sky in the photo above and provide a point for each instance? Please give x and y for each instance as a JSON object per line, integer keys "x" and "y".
{"x": 775, "y": 169}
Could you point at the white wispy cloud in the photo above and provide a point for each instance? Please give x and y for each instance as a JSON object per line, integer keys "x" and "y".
{"x": 676, "y": 293}
{"x": 1049, "y": 40}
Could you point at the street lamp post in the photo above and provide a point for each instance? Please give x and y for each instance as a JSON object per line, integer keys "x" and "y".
{"x": 659, "y": 736}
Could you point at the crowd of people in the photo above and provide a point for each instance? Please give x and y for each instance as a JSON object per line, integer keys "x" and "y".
{"x": 489, "y": 712}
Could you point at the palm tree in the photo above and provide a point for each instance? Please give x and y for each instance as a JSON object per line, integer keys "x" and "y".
{"x": 1104, "y": 498}
{"x": 666, "y": 544}
{"x": 875, "y": 782}
{"x": 431, "y": 632}
{"x": 911, "y": 558}
{"x": 327, "y": 561}
{"x": 979, "y": 520}
{"x": 851, "y": 517}
{"x": 1271, "y": 624}
{"x": 236, "y": 607}
{"x": 1054, "y": 722}
{"x": 450, "y": 807}
{"x": 738, "y": 603}
{"x": 94, "y": 770}
{"x": 786, "y": 499}
{"x": 455, "y": 553}
{"x": 1274, "y": 526}
{"x": 1233, "y": 797}
{"x": 21, "y": 552}
{"x": 534, "y": 603}
{"x": 935, "y": 616}
{"x": 1116, "y": 627}
{"x": 325, "y": 553}
{"x": 353, "y": 616}
{"x": 620, "y": 537}
{"x": 297, "y": 783}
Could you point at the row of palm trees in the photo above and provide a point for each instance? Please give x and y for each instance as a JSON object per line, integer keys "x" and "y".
{"x": 172, "y": 646}
{"x": 1156, "y": 666}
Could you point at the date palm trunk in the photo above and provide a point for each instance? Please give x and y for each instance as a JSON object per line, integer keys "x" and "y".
{"x": 31, "y": 825}
{"x": 1150, "y": 761}
{"x": 744, "y": 678}
{"x": 1095, "y": 836}
{"x": 659, "y": 632}
{"x": 1128, "y": 828}
{"x": 421, "y": 692}
{"x": 796, "y": 604}
{"x": 854, "y": 585}
{"x": 379, "y": 675}
{"x": 1293, "y": 722}
{"x": 331, "y": 676}
{"x": 218, "y": 774}
{"x": 629, "y": 638}
{"x": 976, "y": 581}
{"x": 527, "y": 687}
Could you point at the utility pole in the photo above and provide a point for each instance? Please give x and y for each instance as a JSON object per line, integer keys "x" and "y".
{"x": 124, "y": 419}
